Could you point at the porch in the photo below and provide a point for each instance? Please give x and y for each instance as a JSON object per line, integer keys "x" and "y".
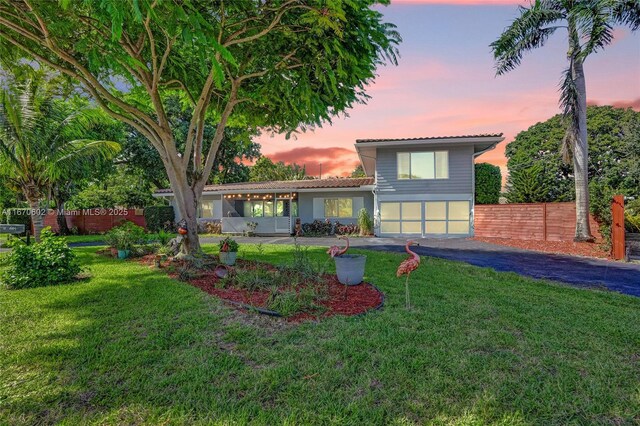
{"x": 261, "y": 213}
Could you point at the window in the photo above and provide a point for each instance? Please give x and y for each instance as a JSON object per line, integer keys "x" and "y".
{"x": 338, "y": 207}
{"x": 401, "y": 218}
{"x": 442, "y": 217}
{"x": 423, "y": 165}
{"x": 258, "y": 209}
{"x": 206, "y": 209}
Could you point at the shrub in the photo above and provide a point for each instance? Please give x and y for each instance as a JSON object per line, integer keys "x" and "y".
{"x": 348, "y": 229}
{"x": 365, "y": 222}
{"x": 632, "y": 216}
{"x": 48, "y": 262}
{"x": 210, "y": 226}
{"x": 488, "y": 183}
{"x": 317, "y": 228}
{"x": 159, "y": 217}
{"x": 232, "y": 245}
{"x": 125, "y": 236}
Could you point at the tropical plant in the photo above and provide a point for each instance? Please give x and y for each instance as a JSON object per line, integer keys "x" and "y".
{"x": 527, "y": 185}
{"x": 365, "y": 223}
{"x": 228, "y": 245}
{"x": 284, "y": 65}
{"x": 126, "y": 236}
{"x": 488, "y": 180}
{"x": 589, "y": 26}
{"x": 39, "y": 144}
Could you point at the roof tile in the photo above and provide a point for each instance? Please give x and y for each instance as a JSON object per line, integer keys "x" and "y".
{"x": 292, "y": 185}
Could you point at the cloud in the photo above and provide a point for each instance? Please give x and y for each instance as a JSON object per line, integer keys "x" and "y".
{"x": 336, "y": 161}
{"x": 634, "y": 104}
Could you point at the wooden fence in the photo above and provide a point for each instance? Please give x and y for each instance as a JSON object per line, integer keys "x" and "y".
{"x": 96, "y": 221}
{"x": 535, "y": 221}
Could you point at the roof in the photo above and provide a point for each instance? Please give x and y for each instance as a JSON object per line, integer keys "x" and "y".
{"x": 481, "y": 135}
{"x": 285, "y": 185}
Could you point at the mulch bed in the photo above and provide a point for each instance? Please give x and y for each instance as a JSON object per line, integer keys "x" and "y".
{"x": 341, "y": 300}
{"x": 556, "y": 247}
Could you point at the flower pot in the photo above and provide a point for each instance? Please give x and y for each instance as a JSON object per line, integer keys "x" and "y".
{"x": 123, "y": 254}
{"x": 350, "y": 268}
{"x": 228, "y": 257}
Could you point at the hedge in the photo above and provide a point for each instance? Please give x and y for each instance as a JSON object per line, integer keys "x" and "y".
{"x": 488, "y": 183}
{"x": 19, "y": 217}
{"x": 158, "y": 217}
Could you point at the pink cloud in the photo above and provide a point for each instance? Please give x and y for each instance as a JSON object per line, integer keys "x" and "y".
{"x": 336, "y": 161}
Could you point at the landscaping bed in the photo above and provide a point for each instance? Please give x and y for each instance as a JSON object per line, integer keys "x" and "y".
{"x": 557, "y": 247}
{"x": 277, "y": 290}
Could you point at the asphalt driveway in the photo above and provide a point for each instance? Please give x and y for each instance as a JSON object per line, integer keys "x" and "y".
{"x": 577, "y": 271}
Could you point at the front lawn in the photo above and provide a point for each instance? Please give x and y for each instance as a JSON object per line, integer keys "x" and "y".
{"x": 132, "y": 346}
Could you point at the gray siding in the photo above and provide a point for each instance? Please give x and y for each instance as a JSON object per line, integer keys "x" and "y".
{"x": 305, "y": 204}
{"x": 460, "y": 172}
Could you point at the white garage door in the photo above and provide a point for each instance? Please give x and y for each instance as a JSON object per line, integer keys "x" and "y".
{"x": 425, "y": 218}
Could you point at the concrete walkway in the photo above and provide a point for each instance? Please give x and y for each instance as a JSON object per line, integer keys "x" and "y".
{"x": 577, "y": 271}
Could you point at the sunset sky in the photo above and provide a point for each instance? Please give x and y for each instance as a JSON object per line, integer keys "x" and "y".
{"x": 445, "y": 84}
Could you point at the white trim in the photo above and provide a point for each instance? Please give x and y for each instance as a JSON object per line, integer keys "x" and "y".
{"x": 424, "y": 197}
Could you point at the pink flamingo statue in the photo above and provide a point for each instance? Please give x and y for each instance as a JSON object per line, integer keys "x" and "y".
{"x": 407, "y": 267}
{"x": 337, "y": 251}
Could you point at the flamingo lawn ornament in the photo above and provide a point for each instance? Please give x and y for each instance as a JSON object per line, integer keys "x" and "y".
{"x": 407, "y": 267}
{"x": 337, "y": 251}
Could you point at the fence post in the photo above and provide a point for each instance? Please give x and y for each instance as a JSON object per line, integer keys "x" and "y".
{"x": 544, "y": 222}
{"x": 617, "y": 228}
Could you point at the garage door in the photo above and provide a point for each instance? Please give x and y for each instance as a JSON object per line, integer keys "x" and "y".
{"x": 425, "y": 218}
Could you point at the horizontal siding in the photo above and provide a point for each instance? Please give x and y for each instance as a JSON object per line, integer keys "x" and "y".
{"x": 527, "y": 221}
{"x": 460, "y": 172}
{"x": 305, "y": 203}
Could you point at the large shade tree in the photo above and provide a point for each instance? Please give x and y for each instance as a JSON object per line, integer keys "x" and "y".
{"x": 589, "y": 28}
{"x": 278, "y": 64}
{"x": 42, "y": 144}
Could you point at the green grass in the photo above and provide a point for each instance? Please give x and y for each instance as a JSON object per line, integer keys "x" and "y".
{"x": 132, "y": 346}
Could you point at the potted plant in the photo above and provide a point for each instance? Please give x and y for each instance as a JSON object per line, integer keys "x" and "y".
{"x": 349, "y": 267}
{"x": 124, "y": 237}
{"x": 251, "y": 229}
{"x": 228, "y": 251}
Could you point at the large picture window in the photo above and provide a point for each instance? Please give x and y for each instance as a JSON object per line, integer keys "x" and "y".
{"x": 338, "y": 207}
{"x": 258, "y": 209}
{"x": 423, "y": 165}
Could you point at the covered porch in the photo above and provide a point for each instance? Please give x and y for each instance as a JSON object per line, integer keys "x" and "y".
{"x": 264, "y": 213}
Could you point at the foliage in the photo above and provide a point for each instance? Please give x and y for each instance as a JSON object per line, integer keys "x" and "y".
{"x": 126, "y": 236}
{"x": 600, "y": 207}
{"x": 303, "y": 265}
{"x": 163, "y": 237}
{"x": 527, "y": 185}
{"x": 48, "y": 262}
{"x": 348, "y": 229}
{"x": 614, "y": 151}
{"x": 317, "y": 228}
{"x": 159, "y": 218}
{"x": 116, "y": 190}
{"x": 290, "y": 302}
{"x": 210, "y": 226}
{"x": 283, "y": 66}
{"x": 358, "y": 172}
{"x": 632, "y": 216}
{"x": 237, "y": 146}
{"x": 488, "y": 183}
{"x": 231, "y": 245}
{"x": 365, "y": 222}
{"x": 266, "y": 170}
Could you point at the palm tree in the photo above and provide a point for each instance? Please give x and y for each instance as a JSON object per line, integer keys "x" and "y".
{"x": 589, "y": 25}
{"x": 38, "y": 145}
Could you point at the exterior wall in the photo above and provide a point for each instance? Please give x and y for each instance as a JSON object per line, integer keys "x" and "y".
{"x": 535, "y": 221}
{"x": 460, "y": 179}
{"x": 309, "y": 210}
{"x": 96, "y": 223}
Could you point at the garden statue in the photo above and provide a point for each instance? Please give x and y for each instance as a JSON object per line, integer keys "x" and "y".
{"x": 337, "y": 251}
{"x": 407, "y": 267}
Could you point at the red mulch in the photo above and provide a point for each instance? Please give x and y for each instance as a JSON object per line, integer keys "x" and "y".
{"x": 556, "y": 247}
{"x": 341, "y": 300}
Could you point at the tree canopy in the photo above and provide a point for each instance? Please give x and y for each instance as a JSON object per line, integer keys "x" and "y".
{"x": 265, "y": 169}
{"x": 538, "y": 174}
{"x": 488, "y": 179}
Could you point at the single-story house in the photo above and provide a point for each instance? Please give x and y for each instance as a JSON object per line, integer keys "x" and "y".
{"x": 421, "y": 187}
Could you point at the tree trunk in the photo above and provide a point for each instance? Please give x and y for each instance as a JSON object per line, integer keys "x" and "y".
{"x": 186, "y": 202}
{"x": 37, "y": 218}
{"x": 581, "y": 157}
{"x": 61, "y": 219}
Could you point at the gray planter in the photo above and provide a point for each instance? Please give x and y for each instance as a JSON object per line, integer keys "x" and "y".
{"x": 350, "y": 268}
{"x": 228, "y": 258}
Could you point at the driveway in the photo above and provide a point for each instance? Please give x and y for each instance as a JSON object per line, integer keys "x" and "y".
{"x": 577, "y": 271}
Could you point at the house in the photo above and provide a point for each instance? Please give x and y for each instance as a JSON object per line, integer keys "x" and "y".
{"x": 414, "y": 187}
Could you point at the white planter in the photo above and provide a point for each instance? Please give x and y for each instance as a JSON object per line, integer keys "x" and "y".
{"x": 350, "y": 268}
{"x": 228, "y": 258}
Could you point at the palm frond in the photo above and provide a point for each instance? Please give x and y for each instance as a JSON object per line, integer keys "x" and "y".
{"x": 569, "y": 102}
{"x": 593, "y": 22}
{"x": 626, "y": 13}
{"x": 80, "y": 154}
{"x": 527, "y": 32}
